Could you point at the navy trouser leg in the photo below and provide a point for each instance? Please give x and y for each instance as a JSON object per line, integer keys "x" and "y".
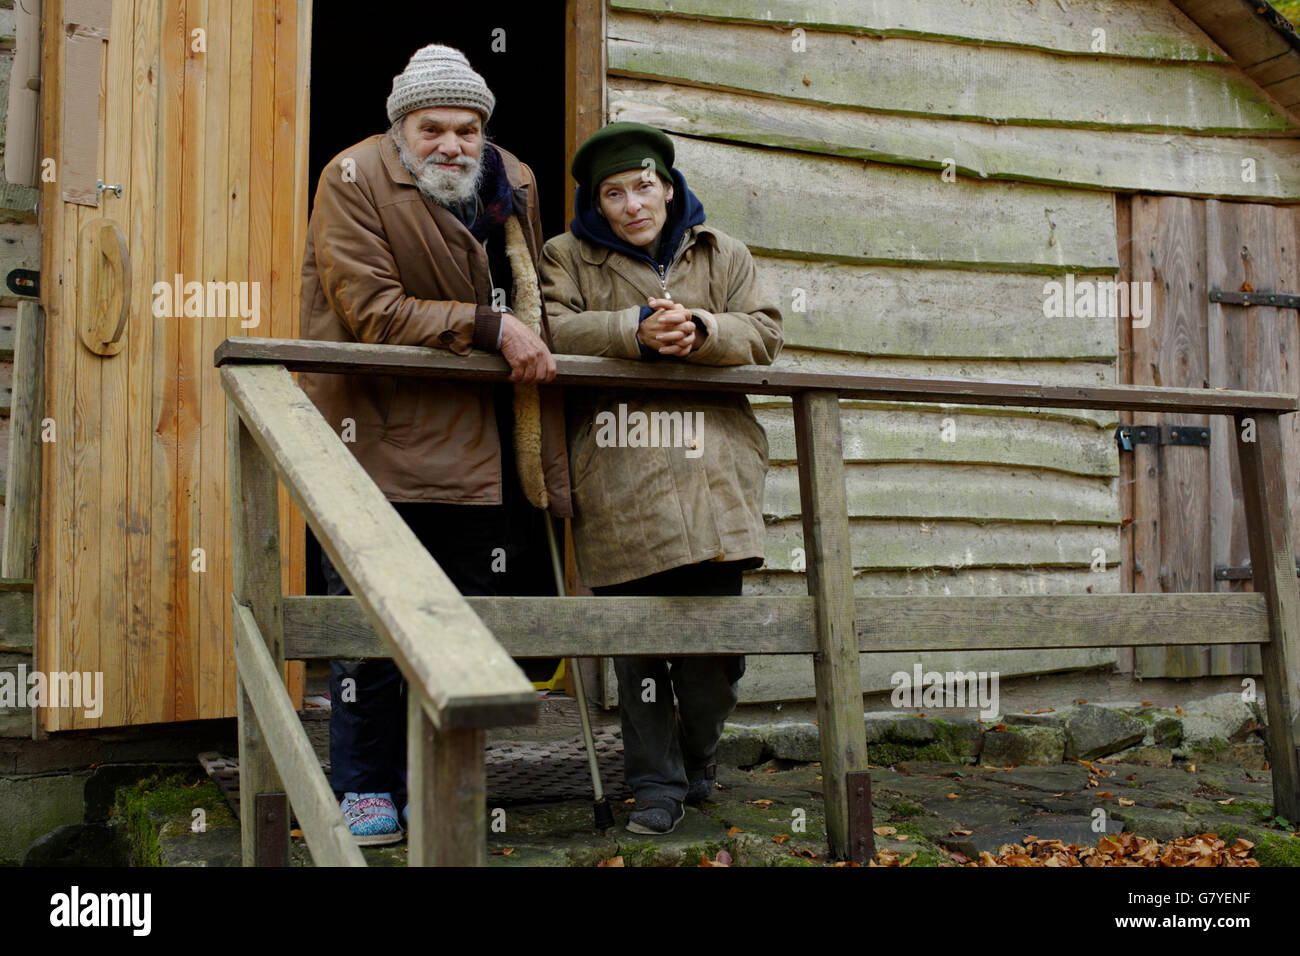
{"x": 368, "y": 719}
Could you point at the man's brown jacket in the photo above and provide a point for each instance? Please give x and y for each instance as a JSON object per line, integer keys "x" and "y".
{"x": 386, "y": 265}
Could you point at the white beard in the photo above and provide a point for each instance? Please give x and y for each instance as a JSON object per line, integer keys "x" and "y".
{"x": 445, "y": 187}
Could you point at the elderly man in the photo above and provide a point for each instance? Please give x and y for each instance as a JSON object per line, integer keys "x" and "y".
{"x": 678, "y": 511}
{"x": 429, "y": 235}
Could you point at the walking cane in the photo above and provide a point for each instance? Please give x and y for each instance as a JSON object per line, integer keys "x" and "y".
{"x": 603, "y": 812}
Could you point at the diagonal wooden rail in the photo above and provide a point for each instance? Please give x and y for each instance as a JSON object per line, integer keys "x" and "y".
{"x": 462, "y": 678}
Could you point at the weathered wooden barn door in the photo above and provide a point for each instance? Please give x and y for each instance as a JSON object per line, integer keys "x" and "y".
{"x": 1188, "y": 530}
{"x": 196, "y": 108}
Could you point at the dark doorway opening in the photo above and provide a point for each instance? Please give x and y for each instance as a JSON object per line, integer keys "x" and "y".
{"x": 518, "y": 51}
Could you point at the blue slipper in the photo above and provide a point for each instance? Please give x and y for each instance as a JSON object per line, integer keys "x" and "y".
{"x": 372, "y": 818}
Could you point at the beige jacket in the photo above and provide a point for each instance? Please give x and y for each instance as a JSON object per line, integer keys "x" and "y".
{"x": 641, "y": 510}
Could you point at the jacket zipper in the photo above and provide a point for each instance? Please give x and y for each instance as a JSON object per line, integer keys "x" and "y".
{"x": 663, "y": 270}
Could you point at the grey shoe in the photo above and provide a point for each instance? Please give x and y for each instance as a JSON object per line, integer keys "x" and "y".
{"x": 700, "y": 790}
{"x": 656, "y": 817}
{"x": 701, "y": 784}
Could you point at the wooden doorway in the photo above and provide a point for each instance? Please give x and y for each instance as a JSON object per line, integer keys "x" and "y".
{"x": 1188, "y": 527}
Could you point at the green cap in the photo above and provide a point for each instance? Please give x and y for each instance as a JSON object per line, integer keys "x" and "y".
{"x": 618, "y": 148}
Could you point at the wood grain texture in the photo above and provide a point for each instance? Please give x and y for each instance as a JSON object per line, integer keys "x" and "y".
{"x": 213, "y": 617}
{"x": 22, "y": 480}
{"x": 916, "y": 217}
{"x": 1247, "y": 246}
{"x": 447, "y": 780}
{"x": 1168, "y": 252}
{"x": 1268, "y": 515}
{"x": 1105, "y": 159}
{"x": 318, "y": 628}
{"x": 111, "y": 537}
{"x": 328, "y": 838}
{"x": 1124, "y": 375}
{"x": 16, "y": 623}
{"x": 998, "y": 84}
{"x": 941, "y": 543}
{"x": 51, "y": 568}
{"x": 936, "y": 313}
{"x": 981, "y": 436}
{"x": 465, "y": 676}
{"x": 168, "y": 567}
{"x": 255, "y": 557}
{"x": 940, "y": 491}
{"x": 1140, "y": 31}
{"x": 188, "y": 490}
{"x": 830, "y": 584}
{"x": 584, "y": 79}
{"x": 590, "y": 371}
{"x": 140, "y": 654}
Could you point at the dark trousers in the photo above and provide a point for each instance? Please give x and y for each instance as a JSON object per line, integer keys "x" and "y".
{"x": 368, "y": 714}
{"x": 666, "y": 747}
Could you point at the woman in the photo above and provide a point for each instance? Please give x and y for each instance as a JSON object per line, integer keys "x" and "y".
{"x": 667, "y": 484}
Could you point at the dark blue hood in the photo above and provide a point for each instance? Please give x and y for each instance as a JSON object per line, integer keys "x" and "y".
{"x": 684, "y": 212}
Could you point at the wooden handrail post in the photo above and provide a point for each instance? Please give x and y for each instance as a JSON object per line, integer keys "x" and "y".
{"x": 836, "y": 665}
{"x": 255, "y": 557}
{"x": 446, "y": 779}
{"x": 1272, "y": 561}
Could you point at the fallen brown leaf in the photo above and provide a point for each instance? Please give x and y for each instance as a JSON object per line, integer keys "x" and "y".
{"x": 1125, "y": 802}
{"x": 953, "y": 796}
{"x": 780, "y": 838}
{"x": 733, "y": 831}
{"x": 955, "y": 832}
{"x": 884, "y": 831}
{"x": 612, "y": 861}
{"x": 506, "y": 851}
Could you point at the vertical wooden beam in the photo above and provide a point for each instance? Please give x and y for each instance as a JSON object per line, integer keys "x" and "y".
{"x": 23, "y": 481}
{"x": 584, "y": 78}
{"x": 447, "y": 786}
{"x": 836, "y": 666}
{"x": 1268, "y": 523}
{"x": 255, "y": 556}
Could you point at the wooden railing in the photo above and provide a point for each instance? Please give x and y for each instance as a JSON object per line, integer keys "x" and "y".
{"x": 461, "y": 678}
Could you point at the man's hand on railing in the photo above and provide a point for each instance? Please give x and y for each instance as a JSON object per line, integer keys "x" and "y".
{"x": 531, "y": 362}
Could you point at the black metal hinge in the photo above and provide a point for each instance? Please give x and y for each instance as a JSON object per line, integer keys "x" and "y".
{"x": 1234, "y": 573}
{"x": 1280, "y": 300}
{"x": 1129, "y": 435}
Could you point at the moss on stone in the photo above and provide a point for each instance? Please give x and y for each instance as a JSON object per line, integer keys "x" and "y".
{"x": 144, "y": 808}
{"x": 905, "y": 809}
{"x": 1278, "y": 851}
{"x": 888, "y": 754}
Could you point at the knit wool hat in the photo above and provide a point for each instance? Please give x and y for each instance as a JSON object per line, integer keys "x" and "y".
{"x": 620, "y": 147}
{"x": 439, "y": 76}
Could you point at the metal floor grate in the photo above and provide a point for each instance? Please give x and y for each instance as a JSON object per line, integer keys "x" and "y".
{"x": 517, "y": 771}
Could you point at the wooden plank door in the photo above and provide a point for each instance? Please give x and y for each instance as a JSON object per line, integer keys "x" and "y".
{"x": 1186, "y": 504}
{"x": 201, "y": 112}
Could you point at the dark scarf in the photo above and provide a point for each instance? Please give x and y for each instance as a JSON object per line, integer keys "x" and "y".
{"x": 684, "y": 212}
{"x": 494, "y": 203}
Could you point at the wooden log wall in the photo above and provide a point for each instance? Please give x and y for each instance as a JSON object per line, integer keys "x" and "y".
{"x": 203, "y": 122}
{"x": 909, "y": 176}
